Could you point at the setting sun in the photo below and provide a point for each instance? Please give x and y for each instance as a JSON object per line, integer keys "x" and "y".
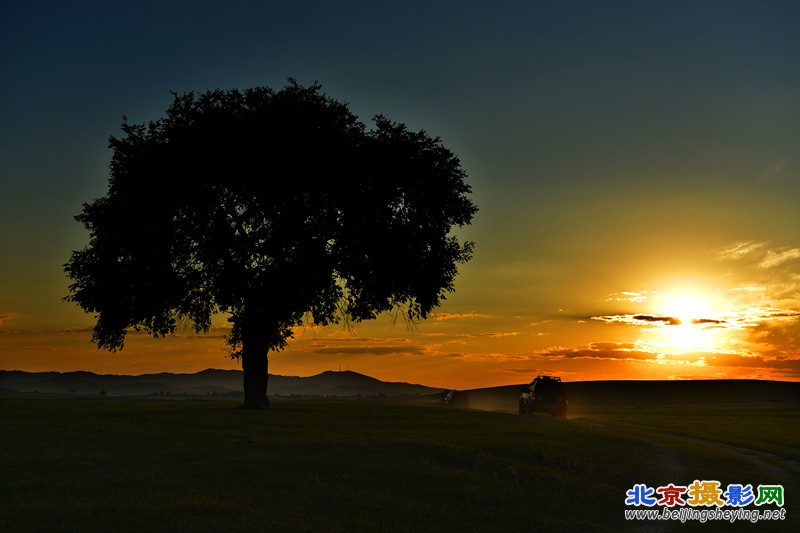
{"x": 687, "y": 337}
{"x": 686, "y": 308}
{"x": 693, "y": 325}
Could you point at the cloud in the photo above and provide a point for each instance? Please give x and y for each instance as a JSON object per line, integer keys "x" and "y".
{"x": 669, "y": 320}
{"x": 537, "y": 371}
{"x": 613, "y": 346}
{"x": 787, "y": 365}
{"x": 709, "y": 321}
{"x": 767, "y": 313}
{"x": 484, "y": 356}
{"x": 757, "y": 316}
{"x": 369, "y": 350}
{"x": 622, "y": 351}
{"x": 749, "y": 290}
{"x": 773, "y": 259}
{"x": 498, "y": 334}
{"x": 58, "y": 349}
{"x": 754, "y": 361}
{"x": 365, "y": 346}
{"x": 773, "y": 272}
{"x": 629, "y": 296}
{"x": 739, "y": 250}
{"x": 765, "y": 259}
{"x": 438, "y": 317}
{"x": 519, "y": 370}
{"x": 639, "y": 320}
{"x": 5, "y": 316}
{"x": 87, "y": 329}
{"x": 748, "y": 318}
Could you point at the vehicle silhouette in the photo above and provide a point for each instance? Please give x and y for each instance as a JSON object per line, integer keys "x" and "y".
{"x": 545, "y": 394}
{"x": 455, "y": 398}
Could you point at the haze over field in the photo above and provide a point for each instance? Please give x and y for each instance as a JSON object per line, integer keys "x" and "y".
{"x": 636, "y": 166}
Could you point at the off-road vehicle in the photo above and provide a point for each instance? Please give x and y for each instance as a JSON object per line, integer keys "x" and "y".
{"x": 455, "y": 398}
{"x": 545, "y": 394}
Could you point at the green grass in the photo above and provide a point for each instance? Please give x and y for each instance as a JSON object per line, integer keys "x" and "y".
{"x": 326, "y": 465}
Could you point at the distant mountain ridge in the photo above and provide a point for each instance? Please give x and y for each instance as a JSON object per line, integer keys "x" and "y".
{"x": 210, "y": 381}
{"x": 349, "y": 384}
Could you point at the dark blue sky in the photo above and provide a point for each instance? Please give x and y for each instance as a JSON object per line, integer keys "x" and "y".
{"x": 618, "y": 132}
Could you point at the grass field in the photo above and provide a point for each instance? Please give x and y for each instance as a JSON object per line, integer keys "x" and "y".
{"x": 116, "y": 464}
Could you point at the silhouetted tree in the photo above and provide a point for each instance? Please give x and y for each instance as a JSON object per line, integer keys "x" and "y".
{"x": 278, "y": 208}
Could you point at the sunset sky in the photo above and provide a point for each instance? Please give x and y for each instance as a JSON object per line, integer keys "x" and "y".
{"x": 636, "y": 166}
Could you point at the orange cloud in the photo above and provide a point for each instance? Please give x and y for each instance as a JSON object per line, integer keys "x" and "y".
{"x": 766, "y": 366}
{"x": 81, "y": 330}
{"x": 369, "y": 350}
{"x": 747, "y": 318}
{"x": 755, "y": 251}
{"x": 630, "y": 296}
{"x": 640, "y": 320}
{"x": 4, "y": 316}
{"x": 360, "y": 346}
{"x": 438, "y": 317}
{"x": 773, "y": 259}
{"x": 754, "y": 317}
{"x": 482, "y": 356}
{"x": 622, "y": 351}
{"x": 739, "y": 250}
{"x": 490, "y": 334}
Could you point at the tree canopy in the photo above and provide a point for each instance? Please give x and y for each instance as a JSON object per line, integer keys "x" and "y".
{"x": 277, "y": 208}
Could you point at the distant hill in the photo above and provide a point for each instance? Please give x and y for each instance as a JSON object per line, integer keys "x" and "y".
{"x": 348, "y": 384}
{"x": 210, "y": 381}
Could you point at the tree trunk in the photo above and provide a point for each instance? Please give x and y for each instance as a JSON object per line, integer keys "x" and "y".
{"x": 255, "y": 363}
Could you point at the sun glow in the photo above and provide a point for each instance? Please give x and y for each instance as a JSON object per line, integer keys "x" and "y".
{"x": 686, "y": 308}
{"x": 695, "y": 328}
